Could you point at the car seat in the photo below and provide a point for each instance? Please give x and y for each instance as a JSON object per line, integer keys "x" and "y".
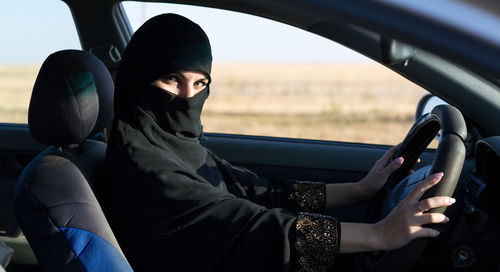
{"x": 55, "y": 204}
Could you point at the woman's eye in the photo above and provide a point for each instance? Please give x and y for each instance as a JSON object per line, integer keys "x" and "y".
{"x": 170, "y": 79}
{"x": 200, "y": 84}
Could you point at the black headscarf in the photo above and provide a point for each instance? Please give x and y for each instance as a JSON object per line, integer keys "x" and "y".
{"x": 164, "y": 44}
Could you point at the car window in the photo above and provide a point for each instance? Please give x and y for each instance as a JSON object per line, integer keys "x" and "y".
{"x": 270, "y": 79}
{"x": 30, "y": 31}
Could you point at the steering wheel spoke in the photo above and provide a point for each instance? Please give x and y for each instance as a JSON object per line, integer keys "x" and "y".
{"x": 402, "y": 189}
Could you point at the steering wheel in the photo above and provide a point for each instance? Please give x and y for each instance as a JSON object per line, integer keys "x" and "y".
{"x": 449, "y": 159}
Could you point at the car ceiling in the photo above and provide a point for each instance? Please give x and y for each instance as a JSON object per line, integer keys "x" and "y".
{"x": 430, "y": 27}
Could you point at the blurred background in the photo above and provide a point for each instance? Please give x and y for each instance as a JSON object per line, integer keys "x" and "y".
{"x": 269, "y": 79}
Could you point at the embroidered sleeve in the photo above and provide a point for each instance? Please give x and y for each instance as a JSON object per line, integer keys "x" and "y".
{"x": 309, "y": 196}
{"x": 318, "y": 242}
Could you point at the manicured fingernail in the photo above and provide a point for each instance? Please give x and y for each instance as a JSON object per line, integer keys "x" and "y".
{"x": 437, "y": 233}
{"x": 400, "y": 160}
{"x": 447, "y": 219}
{"x": 452, "y": 200}
{"x": 437, "y": 175}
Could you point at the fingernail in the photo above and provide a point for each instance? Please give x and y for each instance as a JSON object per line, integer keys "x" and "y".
{"x": 447, "y": 219}
{"x": 437, "y": 232}
{"x": 437, "y": 175}
{"x": 400, "y": 160}
{"x": 452, "y": 200}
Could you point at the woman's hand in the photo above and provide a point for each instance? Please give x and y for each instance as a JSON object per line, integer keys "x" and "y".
{"x": 338, "y": 194}
{"x": 380, "y": 172}
{"x": 404, "y": 223}
{"x": 401, "y": 226}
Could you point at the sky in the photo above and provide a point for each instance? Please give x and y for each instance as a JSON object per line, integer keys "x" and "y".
{"x": 38, "y": 28}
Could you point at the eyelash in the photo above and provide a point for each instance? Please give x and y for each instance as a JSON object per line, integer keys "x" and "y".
{"x": 198, "y": 84}
{"x": 171, "y": 78}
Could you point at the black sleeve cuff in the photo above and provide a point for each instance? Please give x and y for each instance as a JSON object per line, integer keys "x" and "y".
{"x": 309, "y": 196}
{"x": 317, "y": 242}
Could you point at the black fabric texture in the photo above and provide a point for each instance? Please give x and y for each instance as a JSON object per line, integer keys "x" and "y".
{"x": 173, "y": 205}
{"x": 72, "y": 98}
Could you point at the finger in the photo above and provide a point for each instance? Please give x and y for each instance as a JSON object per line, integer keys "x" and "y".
{"x": 397, "y": 146}
{"x": 392, "y": 151}
{"x": 424, "y": 185}
{"x": 395, "y": 164}
{"x": 432, "y": 218}
{"x": 386, "y": 158}
{"x": 426, "y": 232}
{"x": 435, "y": 202}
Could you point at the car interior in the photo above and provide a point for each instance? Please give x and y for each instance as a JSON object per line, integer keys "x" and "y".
{"x": 50, "y": 213}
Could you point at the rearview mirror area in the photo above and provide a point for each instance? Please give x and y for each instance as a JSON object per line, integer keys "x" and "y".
{"x": 427, "y": 103}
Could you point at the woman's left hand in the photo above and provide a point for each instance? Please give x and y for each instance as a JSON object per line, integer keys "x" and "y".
{"x": 380, "y": 171}
{"x": 338, "y": 194}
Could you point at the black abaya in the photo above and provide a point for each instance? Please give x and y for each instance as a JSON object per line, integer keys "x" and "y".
{"x": 176, "y": 206}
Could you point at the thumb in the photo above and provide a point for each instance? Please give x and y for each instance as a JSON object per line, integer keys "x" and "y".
{"x": 426, "y": 232}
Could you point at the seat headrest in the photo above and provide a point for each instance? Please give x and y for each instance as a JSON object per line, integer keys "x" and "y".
{"x": 72, "y": 99}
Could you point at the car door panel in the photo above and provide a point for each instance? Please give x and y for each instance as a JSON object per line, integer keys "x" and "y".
{"x": 17, "y": 149}
{"x": 299, "y": 159}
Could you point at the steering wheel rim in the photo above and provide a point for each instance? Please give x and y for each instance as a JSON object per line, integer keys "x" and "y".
{"x": 449, "y": 159}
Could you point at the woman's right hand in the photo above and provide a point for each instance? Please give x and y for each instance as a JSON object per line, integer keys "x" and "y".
{"x": 405, "y": 221}
{"x": 401, "y": 226}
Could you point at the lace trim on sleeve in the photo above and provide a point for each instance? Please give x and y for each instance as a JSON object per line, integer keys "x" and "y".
{"x": 318, "y": 242}
{"x": 310, "y": 196}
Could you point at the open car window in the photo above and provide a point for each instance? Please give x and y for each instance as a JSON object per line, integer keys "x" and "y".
{"x": 32, "y": 34}
{"x": 270, "y": 79}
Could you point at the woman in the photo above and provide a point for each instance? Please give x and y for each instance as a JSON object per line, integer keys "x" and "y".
{"x": 178, "y": 207}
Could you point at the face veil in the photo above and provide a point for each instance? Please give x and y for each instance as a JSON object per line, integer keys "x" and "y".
{"x": 165, "y": 44}
{"x": 179, "y": 116}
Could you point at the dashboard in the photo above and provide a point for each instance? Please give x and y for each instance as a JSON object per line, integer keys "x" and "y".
{"x": 473, "y": 243}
